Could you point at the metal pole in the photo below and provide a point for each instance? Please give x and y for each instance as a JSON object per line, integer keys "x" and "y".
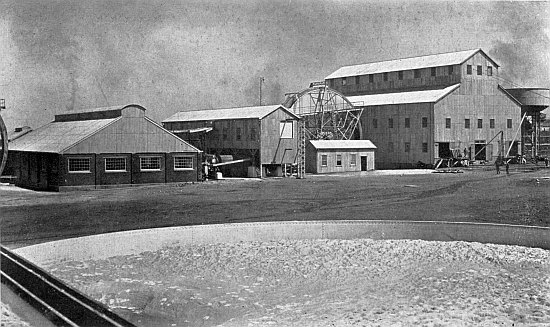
{"x": 261, "y": 81}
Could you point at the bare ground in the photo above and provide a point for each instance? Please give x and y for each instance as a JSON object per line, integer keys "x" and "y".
{"x": 477, "y": 195}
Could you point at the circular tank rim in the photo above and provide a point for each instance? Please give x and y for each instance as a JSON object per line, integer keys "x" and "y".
{"x": 102, "y": 246}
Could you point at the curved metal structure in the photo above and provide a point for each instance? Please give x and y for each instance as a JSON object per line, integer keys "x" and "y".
{"x": 327, "y": 114}
{"x": 3, "y": 145}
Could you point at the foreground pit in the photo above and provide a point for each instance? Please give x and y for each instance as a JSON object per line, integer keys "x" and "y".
{"x": 322, "y": 282}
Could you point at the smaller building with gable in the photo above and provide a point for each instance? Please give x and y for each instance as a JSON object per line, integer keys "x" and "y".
{"x": 102, "y": 146}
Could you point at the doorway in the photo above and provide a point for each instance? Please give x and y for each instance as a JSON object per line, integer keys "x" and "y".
{"x": 480, "y": 151}
{"x": 445, "y": 150}
{"x": 364, "y": 161}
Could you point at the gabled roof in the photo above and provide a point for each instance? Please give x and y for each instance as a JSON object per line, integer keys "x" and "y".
{"x": 342, "y": 144}
{"x": 436, "y": 60}
{"x": 56, "y": 137}
{"x": 380, "y": 99}
{"x": 258, "y": 112}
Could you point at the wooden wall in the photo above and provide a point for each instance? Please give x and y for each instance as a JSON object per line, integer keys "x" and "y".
{"x": 314, "y": 163}
{"x": 390, "y": 142}
{"x": 478, "y": 97}
{"x": 393, "y": 84}
{"x": 275, "y": 150}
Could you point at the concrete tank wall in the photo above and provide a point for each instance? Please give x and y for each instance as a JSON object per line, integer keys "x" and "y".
{"x": 132, "y": 242}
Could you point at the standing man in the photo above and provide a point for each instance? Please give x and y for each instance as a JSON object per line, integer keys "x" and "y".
{"x": 497, "y": 166}
{"x": 507, "y": 167}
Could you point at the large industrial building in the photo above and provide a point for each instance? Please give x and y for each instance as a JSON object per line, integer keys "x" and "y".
{"x": 260, "y": 140}
{"x": 102, "y": 146}
{"x": 425, "y": 108}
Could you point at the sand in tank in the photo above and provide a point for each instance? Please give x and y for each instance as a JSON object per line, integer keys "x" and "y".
{"x": 322, "y": 283}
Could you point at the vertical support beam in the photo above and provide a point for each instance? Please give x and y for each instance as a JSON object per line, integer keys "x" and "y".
{"x": 515, "y": 135}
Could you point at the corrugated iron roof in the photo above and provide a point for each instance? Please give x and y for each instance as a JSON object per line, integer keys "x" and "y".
{"x": 436, "y": 60}
{"x": 401, "y": 97}
{"x": 55, "y": 137}
{"x": 342, "y": 144}
{"x": 221, "y": 114}
{"x": 110, "y": 108}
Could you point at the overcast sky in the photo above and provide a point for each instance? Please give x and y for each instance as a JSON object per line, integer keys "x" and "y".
{"x": 185, "y": 55}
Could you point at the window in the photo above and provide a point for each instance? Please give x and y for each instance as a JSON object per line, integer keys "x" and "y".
{"x": 407, "y": 147}
{"x": 407, "y": 122}
{"x": 253, "y": 133}
{"x": 447, "y": 122}
{"x": 115, "y": 164}
{"x": 324, "y": 160}
{"x": 371, "y": 78}
{"x": 466, "y": 123}
{"x": 390, "y": 122}
{"x": 344, "y": 81}
{"x": 432, "y": 71}
{"x": 239, "y": 135}
{"x": 225, "y": 133}
{"x": 400, "y": 75}
{"x": 79, "y": 165}
{"x": 417, "y": 73}
{"x": 479, "y": 70}
{"x": 480, "y": 123}
{"x": 491, "y": 123}
{"x": 353, "y": 159}
{"x": 424, "y": 122}
{"x": 489, "y": 71}
{"x": 390, "y": 146}
{"x": 149, "y": 163}
{"x": 385, "y": 77}
{"x": 286, "y": 129}
{"x": 357, "y": 80}
{"x": 375, "y": 123}
{"x": 338, "y": 160}
{"x": 183, "y": 162}
{"x": 425, "y": 147}
{"x": 450, "y": 70}
{"x": 469, "y": 69}
{"x": 509, "y": 123}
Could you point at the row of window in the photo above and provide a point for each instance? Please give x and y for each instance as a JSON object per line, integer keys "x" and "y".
{"x": 479, "y": 70}
{"x": 417, "y": 73}
{"x": 423, "y": 122}
{"x": 352, "y": 160}
{"x": 479, "y": 123}
{"x": 118, "y": 164}
{"x": 407, "y": 147}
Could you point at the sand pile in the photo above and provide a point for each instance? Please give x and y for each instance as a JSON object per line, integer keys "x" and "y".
{"x": 323, "y": 283}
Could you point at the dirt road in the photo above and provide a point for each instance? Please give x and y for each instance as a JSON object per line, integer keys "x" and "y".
{"x": 28, "y": 217}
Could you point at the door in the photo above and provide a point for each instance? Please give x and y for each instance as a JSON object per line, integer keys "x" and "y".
{"x": 364, "y": 161}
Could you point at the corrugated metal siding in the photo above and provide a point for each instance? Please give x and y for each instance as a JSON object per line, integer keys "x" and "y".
{"x": 273, "y": 148}
{"x": 415, "y": 135}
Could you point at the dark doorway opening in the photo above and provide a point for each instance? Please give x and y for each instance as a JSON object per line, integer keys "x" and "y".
{"x": 480, "y": 152}
{"x": 364, "y": 163}
{"x": 445, "y": 151}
